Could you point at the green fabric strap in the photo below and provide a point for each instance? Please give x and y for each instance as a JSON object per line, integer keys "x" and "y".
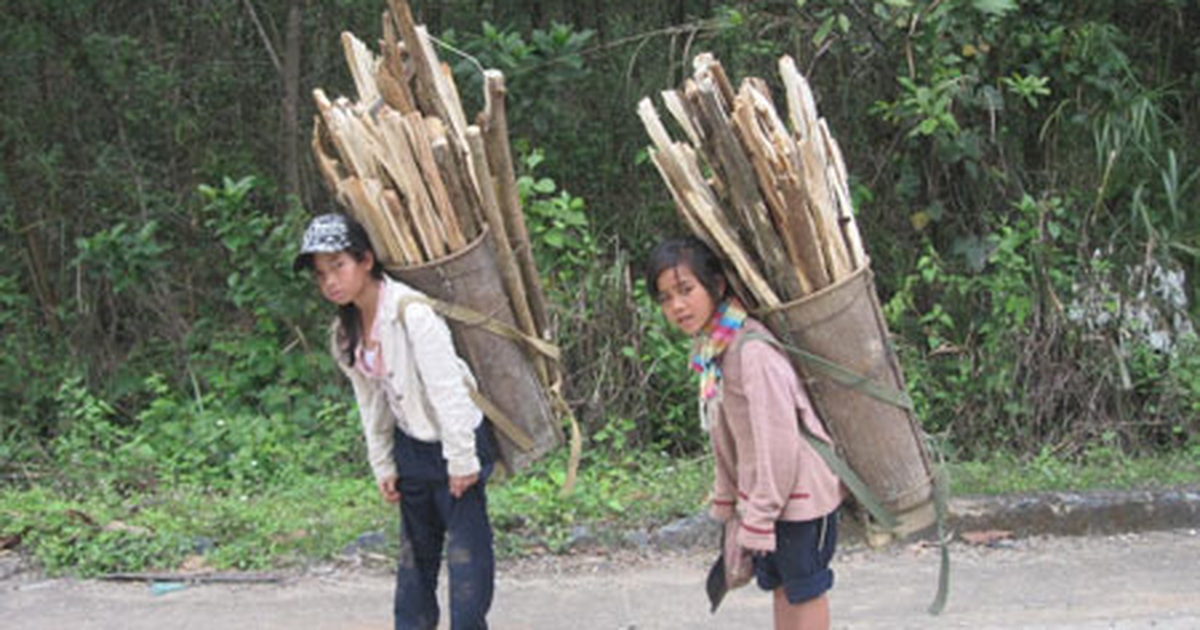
{"x": 941, "y": 506}
{"x": 841, "y": 375}
{"x": 836, "y": 463}
{"x": 471, "y": 317}
{"x": 857, "y": 486}
{"x": 852, "y": 481}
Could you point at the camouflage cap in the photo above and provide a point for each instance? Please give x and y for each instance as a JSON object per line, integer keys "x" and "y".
{"x": 327, "y": 234}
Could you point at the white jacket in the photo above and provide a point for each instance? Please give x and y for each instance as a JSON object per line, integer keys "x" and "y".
{"x": 426, "y": 395}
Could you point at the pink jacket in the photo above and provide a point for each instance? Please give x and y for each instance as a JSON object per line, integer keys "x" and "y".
{"x": 765, "y": 469}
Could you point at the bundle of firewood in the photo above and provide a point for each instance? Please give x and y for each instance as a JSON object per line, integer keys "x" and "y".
{"x": 773, "y": 200}
{"x": 438, "y": 198}
{"x": 403, "y": 160}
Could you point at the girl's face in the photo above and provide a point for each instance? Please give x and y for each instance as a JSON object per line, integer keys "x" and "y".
{"x": 340, "y": 277}
{"x": 684, "y": 300}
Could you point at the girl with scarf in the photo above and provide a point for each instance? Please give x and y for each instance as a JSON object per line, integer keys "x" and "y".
{"x": 428, "y": 446}
{"x": 775, "y": 494}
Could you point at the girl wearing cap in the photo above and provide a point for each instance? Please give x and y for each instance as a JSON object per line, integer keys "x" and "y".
{"x": 769, "y": 483}
{"x": 427, "y": 444}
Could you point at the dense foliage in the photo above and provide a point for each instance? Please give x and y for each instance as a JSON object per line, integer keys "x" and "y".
{"x": 1026, "y": 174}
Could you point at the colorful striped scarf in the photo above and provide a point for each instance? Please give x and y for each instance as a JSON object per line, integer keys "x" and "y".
{"x": 712, "y": 341}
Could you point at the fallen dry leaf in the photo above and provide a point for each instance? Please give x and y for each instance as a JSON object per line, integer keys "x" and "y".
{"x": 121, "y": 526}
{"x": 194, "y": 563}
{"x": 986, "y": 537}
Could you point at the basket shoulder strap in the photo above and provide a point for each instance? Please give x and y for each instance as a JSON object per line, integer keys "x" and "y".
{"x": 845, "y": 472}
{"x": 471, "y": 317}
{"x": 498, "y": 418}
{"x": 836, "y": 462}
{"x": 837, "y": 373}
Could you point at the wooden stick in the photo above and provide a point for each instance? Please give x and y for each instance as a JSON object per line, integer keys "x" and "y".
{"x": 362, "y": 64}
{"x": 802, "y": 111}
{"x": 419, "y": 140}
{"x": 762, "y": 156}
{"x": 353, "y": 196}
{"x": 463, "y": 196}
{"x": 327, "y": 163}
{"x": 402, "y": 226}
{"x": 393, "y": 90}
{"x": 789, "y": 168}
{"x": 841, "y": 188}
{"x": 727, "y": 243}
{"x": 510, "y": 270}
{"x": 195, "y": 578}
{"x": 425, "y": 90}
{"x": 449, "y": 93}
{"x": 709, "y": 224}
{"x": 448, "y": 103}
{"x": 678, "y": 107}
{"x": 823, "y": 209}
{"x": 705, "y": 66}
{"x": 356, "y": 139}
{"x": 397, "y": 161}
{"x": 334, "y": 126}
{"x": 802, "y": 107}
{"x": 729, "y": 160}
{"x": 376, "y": 211}
{"x": 705, "y": 201}
{"x": 499, "y": 156}
{"x": 809, "y": 235}
{"x": 696, "y": 202}
{"x": 407, "y": 176}
{"x": 393, "y": 78}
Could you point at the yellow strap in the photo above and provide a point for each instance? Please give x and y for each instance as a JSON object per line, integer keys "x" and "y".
{"x": 472, "y": 317}
{"x": 500, "y": 420}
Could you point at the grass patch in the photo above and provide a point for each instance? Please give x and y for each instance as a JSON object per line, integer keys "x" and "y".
{"x": 1099, "y": 469}
{"x": 313, "y": 519}
{"x": 104, "y": 532}
{"x": 530, "y": 513}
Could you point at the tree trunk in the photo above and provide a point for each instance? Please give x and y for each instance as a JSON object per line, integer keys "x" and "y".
{"x": 290, "y": 129}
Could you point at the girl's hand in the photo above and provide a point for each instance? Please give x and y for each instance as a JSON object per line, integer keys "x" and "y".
{"x": 460, "y": 484}
{"x": 387, "y": 488}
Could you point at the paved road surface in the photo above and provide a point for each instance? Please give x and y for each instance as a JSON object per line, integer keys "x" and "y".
{"x": 1149, "y": 580}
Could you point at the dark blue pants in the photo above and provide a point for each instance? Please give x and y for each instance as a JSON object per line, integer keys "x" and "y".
{"x": 431, "y": 519}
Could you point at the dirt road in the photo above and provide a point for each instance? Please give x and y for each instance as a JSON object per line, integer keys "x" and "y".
{"x": 1149, "y": 580}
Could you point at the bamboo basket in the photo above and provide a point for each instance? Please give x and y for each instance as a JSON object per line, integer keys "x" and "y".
{"x": 468, "y": 278}
{"x": 437, "y": 197}
{"x": 846, "y": 356}
{"x": 773, "y": 201}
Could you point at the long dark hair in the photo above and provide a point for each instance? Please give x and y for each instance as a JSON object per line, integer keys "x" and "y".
{"x": 349, "y": 318}
{"x": 696, "y": 256}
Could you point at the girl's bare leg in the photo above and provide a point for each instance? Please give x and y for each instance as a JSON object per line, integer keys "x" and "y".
{"x": 810, "y": 615}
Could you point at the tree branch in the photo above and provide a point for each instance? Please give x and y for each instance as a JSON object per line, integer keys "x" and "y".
{"x": 262, "y": 33}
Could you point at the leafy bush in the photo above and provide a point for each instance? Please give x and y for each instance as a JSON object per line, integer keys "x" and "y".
{"x": 626, "y": 376}
{"x": 285, "y": 524}
{"x": 1002, "y": 364}
{"x": 640, "y": 490}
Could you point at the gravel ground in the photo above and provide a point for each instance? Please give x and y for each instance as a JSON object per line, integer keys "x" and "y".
{"x": 1143, "y": 580}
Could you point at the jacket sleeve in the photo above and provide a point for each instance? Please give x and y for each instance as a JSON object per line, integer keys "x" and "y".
{"x": 768, "y": 381}
{"x": 724, "y": 491}
{"x": 445, "y": 379}
{"x": 377, "y": 420}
